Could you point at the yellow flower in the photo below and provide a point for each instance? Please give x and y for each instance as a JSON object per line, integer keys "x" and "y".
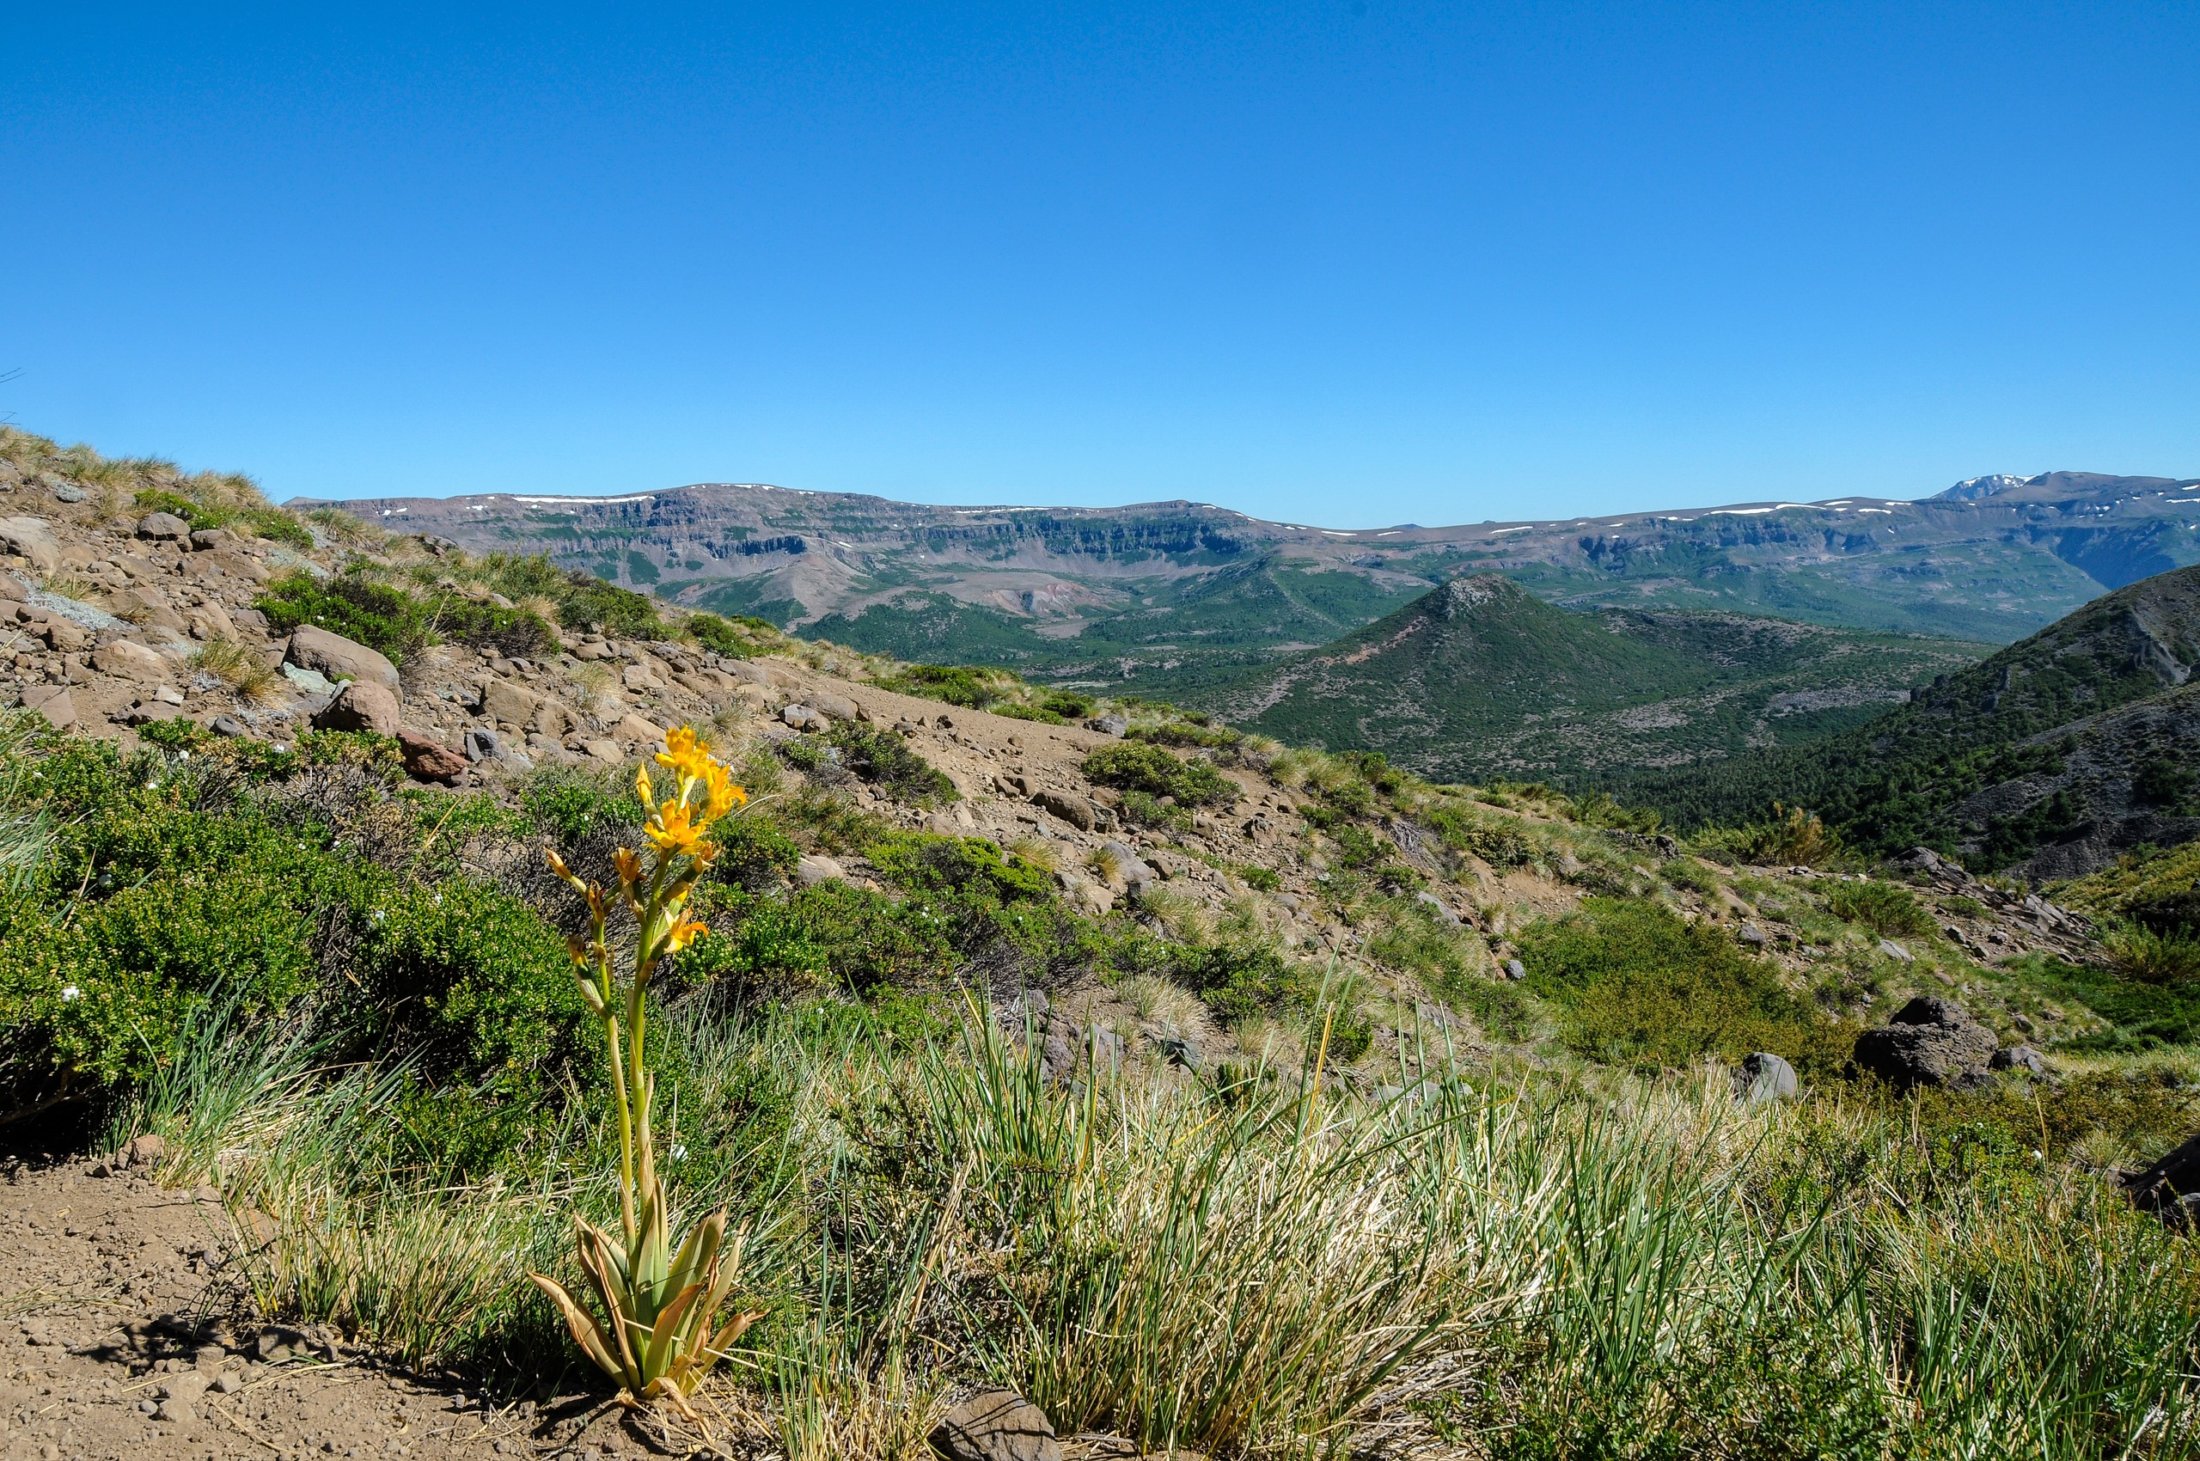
{"x": 643, "y": 788}
{"x": 629, "y": 866}
{"x": 682, "y": 933}
{"x": 721, "y": 795}
{"x": 676, "y": 833}
{"x": 685, "y": 754}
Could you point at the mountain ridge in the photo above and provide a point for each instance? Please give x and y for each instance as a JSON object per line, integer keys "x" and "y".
{"x": 1139, "y": 596}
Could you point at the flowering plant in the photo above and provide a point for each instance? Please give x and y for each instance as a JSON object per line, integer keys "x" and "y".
{"x": 659, "y": 1334}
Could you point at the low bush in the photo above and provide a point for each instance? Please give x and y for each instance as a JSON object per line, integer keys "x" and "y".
{"x": 1133, "y": 766}
{"x": 1885, "y": 908}
{"x": 259, "y": 519}
{"x": 2139, "y": 952}
{"x": 385, "y": 619}
{"x": 718, "y": 635}
{"x": 1635, "y": 984}
{"x": 889, "y": 763}
{"x": 974, "y": 689}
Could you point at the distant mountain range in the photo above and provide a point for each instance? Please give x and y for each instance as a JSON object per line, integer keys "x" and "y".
{"x": 1170, "y": 596}
{"x": 2051, "y": 757}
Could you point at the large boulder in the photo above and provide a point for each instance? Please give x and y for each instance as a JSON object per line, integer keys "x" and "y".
{"x": 314, "y": 648}
{"x": 996, "y": 1425}
{"x": 1928, "y": 1042}
{"x": 31, "y": 538}
{"x": 362, "y": 705}
{"x": 163, "y": 527}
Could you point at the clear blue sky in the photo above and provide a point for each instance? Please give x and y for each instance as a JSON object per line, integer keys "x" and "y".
{"x": 1354, "y": 263}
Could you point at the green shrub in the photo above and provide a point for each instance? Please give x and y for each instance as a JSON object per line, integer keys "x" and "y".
{"x": 753, "y": 854}
{"x": 833, "y": 933}
{"x": 470, "y": 981}
{"x": 261, "y": 520}
{"x": 584, "y": 601}
{"x": 962, "y": 685}
{"x": 923, "y": 862}
{"x": 485, "y": 625}
{"x": 388, "y": 620}
{"x": 886, "y": 761}
{"x": 1242, "y": 979}
{"x": 1133, "y": 766}
{"x": 2138, "y": 952}
{"x": 1884, "y": 908}
{"x": 1017, "y": 710}
{"x": 718, "y": 635}
{"x": 1637, "y": 985}
{"x": 1255, "y": 876}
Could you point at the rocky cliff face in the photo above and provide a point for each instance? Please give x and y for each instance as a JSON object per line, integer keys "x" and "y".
{"x": 1117, "y": 592}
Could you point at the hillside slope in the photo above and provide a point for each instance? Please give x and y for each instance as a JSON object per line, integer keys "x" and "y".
{"x": 1138, "y": 596}
{"x": 1480, "y": 680}
{"x": 2049, "y": 756}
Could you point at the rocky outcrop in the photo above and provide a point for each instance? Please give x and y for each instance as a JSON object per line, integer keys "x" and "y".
{"x": 1928, "y": 1042}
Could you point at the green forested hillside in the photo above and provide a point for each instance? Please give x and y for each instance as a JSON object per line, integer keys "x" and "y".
{"x": 2035, "y": 746}
{"x": 1480, "y": 679}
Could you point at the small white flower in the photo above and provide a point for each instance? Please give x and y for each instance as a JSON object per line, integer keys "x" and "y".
{"x": 679, "y": 1152}
{"x": 70, "y": 994}
{"x": 2038, "y": 1155}
{"x": 183, "y": 755}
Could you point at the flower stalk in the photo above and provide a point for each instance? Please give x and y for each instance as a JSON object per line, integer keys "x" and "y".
{"x": 658, "y": 1334}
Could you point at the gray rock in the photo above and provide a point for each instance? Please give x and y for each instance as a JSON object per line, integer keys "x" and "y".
{"x": 1110, "y": 725}
{"x": 2019, "y": 1057}
{"x": 1437, "y": 906}
{"x": 1765, "y": 1077}
{"x": 206, "y": 540}
{"x": 802, "y": 718}
{"x": 1888, "y": 948}
{"x": 230, "y": 726}
{"x": 1751, "y": 936}
{"x": 1515, "y": 970}
{"x": 1928, "y": 1042}
{"x": 998, "y": 1425}
{"x": 481, "y": 745}
{"x": 311, "y": 682}
{"x": 1181, "y": 1051}
{"x": 1129, "y": 871}
{"x": 815, "y": 868}
{"x": 68, "y": 492}
{"x": 338, "y": 658}
{"x": 163, "y": 527}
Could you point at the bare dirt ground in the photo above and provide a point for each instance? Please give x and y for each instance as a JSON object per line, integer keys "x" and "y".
{"x": 124, "y": 1333}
